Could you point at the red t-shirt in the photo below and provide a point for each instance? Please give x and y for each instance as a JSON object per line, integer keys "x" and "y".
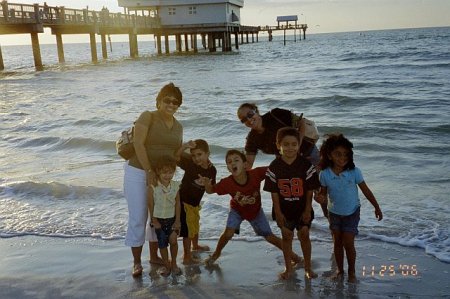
{"x": 245, "y": 199}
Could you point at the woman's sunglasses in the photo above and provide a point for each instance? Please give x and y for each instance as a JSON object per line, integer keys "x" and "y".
{"x": 249, "y": 115}
{"x": 172, "y": 101}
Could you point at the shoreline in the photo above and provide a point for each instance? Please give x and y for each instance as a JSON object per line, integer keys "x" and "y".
{"x": 45, "y": 267}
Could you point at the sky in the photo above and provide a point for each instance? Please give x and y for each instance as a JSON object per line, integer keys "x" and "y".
{"x": 322, "y": 16}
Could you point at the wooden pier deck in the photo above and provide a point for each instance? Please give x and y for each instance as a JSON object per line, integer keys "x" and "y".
{"x": 33, "y": 18}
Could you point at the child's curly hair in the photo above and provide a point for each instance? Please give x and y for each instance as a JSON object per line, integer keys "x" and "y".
{"x": 332, "y": 142}
{"x": 164, "y": 162}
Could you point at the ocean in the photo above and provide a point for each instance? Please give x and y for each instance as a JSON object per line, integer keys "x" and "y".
{"x": 387, "y": 91}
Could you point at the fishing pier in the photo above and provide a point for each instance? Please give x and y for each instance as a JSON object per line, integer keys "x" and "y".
{"x": 284, "y": 24}
{"x": 33, "y": 18}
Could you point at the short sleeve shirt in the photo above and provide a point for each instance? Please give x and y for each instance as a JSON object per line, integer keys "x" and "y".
{"x": 161, "y": 140}
{"x": 164, "y": 199}
{"x": 291, "y": 182}
{"x": 342, "y": 189}
{"x": 245, "y": 199}
{"x": 190, "y": 191}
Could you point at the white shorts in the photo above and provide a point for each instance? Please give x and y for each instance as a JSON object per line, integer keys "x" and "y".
{"x": 135, "y": 191}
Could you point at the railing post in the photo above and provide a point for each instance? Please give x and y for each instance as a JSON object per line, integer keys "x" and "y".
{"x": 85, "y": 15}
{"x": 37, "y": 15}
{"x": 5, "y": 10}
{"x": 62, "y": 14}
{"x": 133, "y": 20}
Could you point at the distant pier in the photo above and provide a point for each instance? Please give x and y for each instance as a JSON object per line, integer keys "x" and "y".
{"x": 32, "y": 18}
{"x": 286, "y": 23}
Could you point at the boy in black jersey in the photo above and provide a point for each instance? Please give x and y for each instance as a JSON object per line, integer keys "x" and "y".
{"x": 291, "y": 180}
{"x": 191, "y": 192}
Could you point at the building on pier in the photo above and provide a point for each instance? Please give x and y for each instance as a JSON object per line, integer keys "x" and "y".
{"x": 214, "y": 20}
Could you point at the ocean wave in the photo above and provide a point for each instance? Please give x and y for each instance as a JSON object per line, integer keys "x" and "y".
{"x": 55, "y": 191}
{"x": 58, "y": 210}
{"x": 439, "y": 249}
{"x": 58, "y": 144}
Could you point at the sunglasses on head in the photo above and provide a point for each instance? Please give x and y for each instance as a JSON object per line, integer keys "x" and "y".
{"x": 249, "y": 115}
{"x": 172, "y": 101}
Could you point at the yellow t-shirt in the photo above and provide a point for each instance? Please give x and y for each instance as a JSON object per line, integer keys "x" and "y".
{"x": 164, "y": 199}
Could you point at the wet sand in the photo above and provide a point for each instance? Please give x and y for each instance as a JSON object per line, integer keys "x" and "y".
{"x": 43, "y": 267}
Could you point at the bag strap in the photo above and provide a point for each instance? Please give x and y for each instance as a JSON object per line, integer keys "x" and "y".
{"x": 277, "y": 119}
{"x": 295, "y": 119}
{"x": 151, "y": 119}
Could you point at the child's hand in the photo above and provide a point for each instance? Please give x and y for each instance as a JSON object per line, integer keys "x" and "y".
{"x": 378, "y": 214}
{"x": 320, "y": 198}
{"x": 306, "y": 217}
{"x": 203, "y": 181}
{"x": 156, "y": 224}
{"x": 176, "y": 227}
{"x": 189, "y": 144}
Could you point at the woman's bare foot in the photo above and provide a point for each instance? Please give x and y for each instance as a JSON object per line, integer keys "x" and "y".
{"x": 201, "y": 248}
{"x": 137, "y": 270}
{"x": 310, "y": 274}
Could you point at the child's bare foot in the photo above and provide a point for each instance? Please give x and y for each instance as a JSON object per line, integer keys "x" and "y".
{"x": 352, "y": 278}
{"x": 137, "y": 270}
{"x": 176, "y": 270}
{"x": 310, "y": 274}
{"x": 286, "y": 274}
{"x": 201, "y": 248}
{"x": 191, "y": 261}
{"x": 211, "y": 259}
{"x": 338, "y": 275}
{"x": 156, "y": 261}
{"x": 164, "y": 271}
{"x": 296, "y": 261}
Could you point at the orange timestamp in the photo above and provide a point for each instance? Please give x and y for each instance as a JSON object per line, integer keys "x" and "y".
{"x": 400, "y": 270}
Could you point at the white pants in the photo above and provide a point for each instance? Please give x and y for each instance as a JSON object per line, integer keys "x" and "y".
{"x": 135, "y": 191}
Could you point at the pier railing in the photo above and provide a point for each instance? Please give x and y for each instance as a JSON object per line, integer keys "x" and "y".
{"x": 49, "y": 16}
{"x": 283, "y": 27}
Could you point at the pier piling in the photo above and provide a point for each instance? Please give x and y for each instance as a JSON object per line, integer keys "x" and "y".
{"x": 93, "y": 47}
{"x": 2, "y": 65}
{"x": 36, "y": 51}
{"x": 104, "y": 47}
{"x": 60, "y": 48}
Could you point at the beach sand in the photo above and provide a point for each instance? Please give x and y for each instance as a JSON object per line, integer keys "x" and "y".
{"x": 43, "y": 267}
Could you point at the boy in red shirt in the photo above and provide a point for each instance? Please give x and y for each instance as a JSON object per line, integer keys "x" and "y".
{"x": 244, "y": 187}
